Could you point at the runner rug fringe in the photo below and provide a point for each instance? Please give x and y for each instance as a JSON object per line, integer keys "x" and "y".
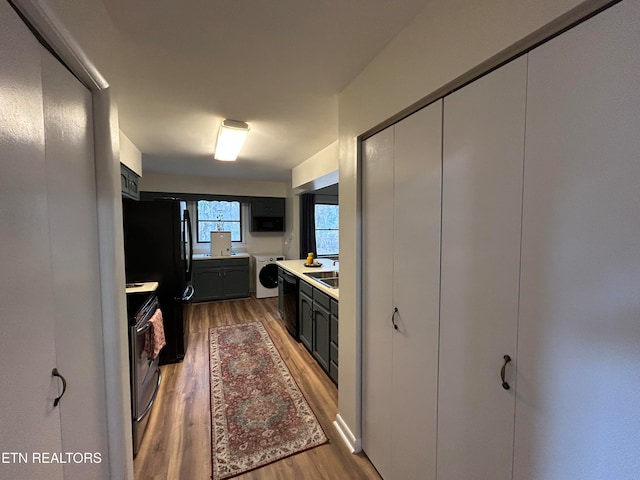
{"x": 258, "y": 413}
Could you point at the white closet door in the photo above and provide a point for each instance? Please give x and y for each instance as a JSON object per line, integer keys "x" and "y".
{"x": 74, "y": 247}
{"x": 481, "y": 221}
{"x": 28, "y": 421}
{"x": 578, "y": 410}
{"x": 377, "y": 288}
{"x": 416, "y": 289}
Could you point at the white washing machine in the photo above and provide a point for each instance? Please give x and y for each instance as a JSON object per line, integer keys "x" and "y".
{"x": 266, "y": 276}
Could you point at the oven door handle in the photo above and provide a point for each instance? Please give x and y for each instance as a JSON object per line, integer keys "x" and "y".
{"x": 153, "y": 398}
{"x": 143, "y": 328}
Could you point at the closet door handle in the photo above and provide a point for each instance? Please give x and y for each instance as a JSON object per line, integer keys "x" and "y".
{"x": 393, "y": 318}
{"x": 505, "y": 385}
{"x": 55, "y": 373}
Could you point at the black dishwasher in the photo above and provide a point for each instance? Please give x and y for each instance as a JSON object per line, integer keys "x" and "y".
{"x": 288, "y": 300}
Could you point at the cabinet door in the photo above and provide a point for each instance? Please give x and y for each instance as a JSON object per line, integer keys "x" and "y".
{"x": 268, "y": 207}
{"x": 73, "y": 230}
{"x": 377, "y": 303}
{"x": 577, "y": 413}
{"x": 124, "y": 182}
{"x": 207, "y": 283}
{"x": 29, "y": 421}
{"x": 276, "y": 207}
{"x": 129, "y": 183}
{"x": 321, "y": 326}
{"x": 236, "y": 282}
{"x": 417, "y": 178}
{"x": 306, "y": 320}
{"x": 481, "y": 221}
{"x": 259, "y": 207}
{"x": 133, "y": 186}
{"x": 333, "y": 345}
{"x": 280, "y": 295}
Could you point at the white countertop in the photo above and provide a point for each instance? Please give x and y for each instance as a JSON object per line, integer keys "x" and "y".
{"x": 142, "y": 287}
{"x": 207, "y": 256}
{"x": 298, "y": 269}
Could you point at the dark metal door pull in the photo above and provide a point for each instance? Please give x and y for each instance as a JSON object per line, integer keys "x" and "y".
{"x": 393, "y": 318}
{"x": 507, "y": 359}
{"x": 55, "y": 373}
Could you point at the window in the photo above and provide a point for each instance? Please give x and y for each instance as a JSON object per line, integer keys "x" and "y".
{"x": 326, "y": 217}
{"x": 214, "y": 215}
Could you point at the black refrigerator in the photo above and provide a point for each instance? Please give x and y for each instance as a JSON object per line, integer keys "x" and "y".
{"x": 159, "y": 248}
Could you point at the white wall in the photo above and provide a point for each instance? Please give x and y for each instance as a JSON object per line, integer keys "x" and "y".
{"x": 129, "y": 154}
{"x": 291, "y": 240}
{"x": 318, "y": 171}
{"x": 445, "y": 40}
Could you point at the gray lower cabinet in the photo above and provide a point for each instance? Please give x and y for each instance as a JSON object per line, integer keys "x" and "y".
{"x": 207, "y": 283}
{"x": 333, "y": 341}
{"x": 319, "y": 327}
{"x": 306, "y": 315}
{"x": 220, "y": 279}
{"x": 235, "y": 280}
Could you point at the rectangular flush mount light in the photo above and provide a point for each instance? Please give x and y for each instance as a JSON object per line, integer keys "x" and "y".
{"x": 231, "y": 136}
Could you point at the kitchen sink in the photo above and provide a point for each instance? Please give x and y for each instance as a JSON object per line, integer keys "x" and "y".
{"x": 318, "y": 275}
{"x": 330, "y": 282}
{"x": 329, "y": 279}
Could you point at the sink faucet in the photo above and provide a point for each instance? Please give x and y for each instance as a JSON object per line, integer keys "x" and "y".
{"x": 336, "y": 261}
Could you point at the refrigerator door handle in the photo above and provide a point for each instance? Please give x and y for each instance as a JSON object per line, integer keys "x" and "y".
{"x": 189, "y": 264}
{"x": 188, "y": 294}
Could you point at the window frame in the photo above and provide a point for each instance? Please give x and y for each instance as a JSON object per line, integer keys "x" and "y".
{"x": 197, "y": 222}
{"x": 316, "y": 229}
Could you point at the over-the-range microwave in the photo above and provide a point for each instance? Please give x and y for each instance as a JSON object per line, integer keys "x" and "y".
{"x": 267, "y": 224}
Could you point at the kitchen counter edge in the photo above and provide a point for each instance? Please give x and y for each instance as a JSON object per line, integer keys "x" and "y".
{"x": 297, "y": 268}
{"x": 206, "y": 256}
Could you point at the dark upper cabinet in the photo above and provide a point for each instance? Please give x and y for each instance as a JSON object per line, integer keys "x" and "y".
{"x": 267, "y": 214}
{"x": 129, "y": 183}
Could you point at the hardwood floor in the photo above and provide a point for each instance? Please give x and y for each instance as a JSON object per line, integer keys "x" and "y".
{"x": 177, "y": 444}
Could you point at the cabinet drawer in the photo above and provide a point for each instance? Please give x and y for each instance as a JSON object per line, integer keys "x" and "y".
{"x": 321, "y": 298}
{"x": 306, "y": 289}
{"x": 204, "y": 264}
{"x": 333, "y": 353}
{"x": 234, "y": 262}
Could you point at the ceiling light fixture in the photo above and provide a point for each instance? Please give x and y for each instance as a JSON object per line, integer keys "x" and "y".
{"x": 231, "y": 136}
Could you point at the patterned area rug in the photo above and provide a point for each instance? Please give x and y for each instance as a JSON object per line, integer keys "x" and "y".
{"x": 258, "y": 413}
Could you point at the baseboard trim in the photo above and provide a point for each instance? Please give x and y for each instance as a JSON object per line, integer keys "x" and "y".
{"x": 354, "y": 444}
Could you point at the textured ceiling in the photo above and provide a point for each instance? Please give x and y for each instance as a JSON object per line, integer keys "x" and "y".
{"x": 178, "y": 68}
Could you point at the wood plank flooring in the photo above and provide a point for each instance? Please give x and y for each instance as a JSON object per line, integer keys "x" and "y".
{"x": 177, "y": 444}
